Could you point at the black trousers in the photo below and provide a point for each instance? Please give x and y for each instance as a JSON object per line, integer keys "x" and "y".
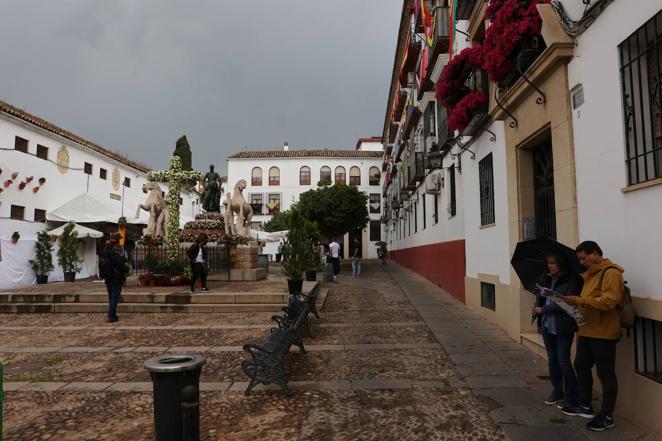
{"x": 602, "y": 353}
{"x": 336, "y": 265}
{"x": 198, "y": 270}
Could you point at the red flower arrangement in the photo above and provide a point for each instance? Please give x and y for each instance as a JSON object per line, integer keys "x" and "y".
{"x": 450, "y": 87}
{"x": 510, "y": 22}
{"x": 461, "y": 113}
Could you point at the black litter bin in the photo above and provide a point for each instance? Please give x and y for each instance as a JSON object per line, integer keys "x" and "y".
{"x": 176, "y": 380}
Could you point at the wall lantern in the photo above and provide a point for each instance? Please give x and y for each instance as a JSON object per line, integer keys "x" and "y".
{"x": 434, "y": 160}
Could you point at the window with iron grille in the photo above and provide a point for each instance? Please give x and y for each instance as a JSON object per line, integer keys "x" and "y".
{"x": 42, "y": 151}
{"x": 88, "y": 168}
{"x": 355, "y": 176}
{"x": 340, "y": 176}
{"x": 375, "y": 231}
{"x": 304, "y": 175}
{"x": 452, "y": 200}
{"x": 39, "y": 215}
{"x": 127, "y": 182}
{"x": 373, "y": 176}
{"x": 424, "y": 212}
{"x": 103, "y": 174}
{"x": 256, "y": 177}
{"x": 488, "y": 296}
{"x": 486, "y": 181}
{"x": 256, "y": 203}
{"x": 21, "y": 144}
{"x": 17, "y": 212}
{"x": 375, "y": 202}
{"x": 273, "y": 206}
{"x": 274, "y": 176}
{"x": 641, "y": 86}
{"x": 325, "y": 173}
{"x": 648, "y": 348}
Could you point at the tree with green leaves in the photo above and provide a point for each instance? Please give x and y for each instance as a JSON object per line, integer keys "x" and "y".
{"x": 183, "y": 150}
{"x": 297, "y": 247}
{"x": 336, "y": 209}
{"x": 278, "y": 222}
{"x": 42, "y": 264}
{"x": 67, "y": 255}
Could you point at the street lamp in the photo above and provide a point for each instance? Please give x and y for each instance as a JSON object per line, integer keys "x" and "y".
{"x": 435, "y": 159}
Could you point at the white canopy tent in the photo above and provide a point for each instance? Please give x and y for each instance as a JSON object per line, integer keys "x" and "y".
{"x": 87, "y": 209}
{"x": 15, "y": 269}
{"x": 82, "y": 232}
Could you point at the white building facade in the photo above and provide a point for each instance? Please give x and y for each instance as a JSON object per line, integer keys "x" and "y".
{"x": 276, "y": 179}
{"x": 568, "y": 148}
{"x": 45, "y": 167}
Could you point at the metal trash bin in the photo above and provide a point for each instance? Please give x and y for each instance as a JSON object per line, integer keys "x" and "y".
{"x": 176, "y": 380}
{"x": 263, "y": 261}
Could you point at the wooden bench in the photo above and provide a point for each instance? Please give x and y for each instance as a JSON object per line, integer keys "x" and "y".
{"x": 267, "y": 362}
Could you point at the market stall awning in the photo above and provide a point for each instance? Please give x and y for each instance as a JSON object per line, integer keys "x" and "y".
{"x": 80, "y": 230}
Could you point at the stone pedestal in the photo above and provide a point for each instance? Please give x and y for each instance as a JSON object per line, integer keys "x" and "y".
{"x": 245, "y": 266}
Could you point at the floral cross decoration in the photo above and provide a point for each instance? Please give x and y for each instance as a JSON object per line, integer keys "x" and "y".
{"x": 175, "y": 177}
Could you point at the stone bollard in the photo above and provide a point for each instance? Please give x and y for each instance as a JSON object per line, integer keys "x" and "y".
{"x": 328, "y": 272}
{"x": 176, "y": 380}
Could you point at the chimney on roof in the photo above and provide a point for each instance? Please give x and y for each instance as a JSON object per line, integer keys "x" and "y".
{"x": 285, "y": 146}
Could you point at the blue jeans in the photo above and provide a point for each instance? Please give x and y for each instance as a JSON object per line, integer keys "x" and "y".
{"x": 356, "y": 266}
{"x": 561, "y": 373}
{"x": 114, "y": 292}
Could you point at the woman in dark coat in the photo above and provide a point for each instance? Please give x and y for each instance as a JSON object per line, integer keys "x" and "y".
{"x": 558, "y": 329}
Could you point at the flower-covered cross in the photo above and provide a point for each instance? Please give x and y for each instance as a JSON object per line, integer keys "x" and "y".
{"x": 175, "y": 177}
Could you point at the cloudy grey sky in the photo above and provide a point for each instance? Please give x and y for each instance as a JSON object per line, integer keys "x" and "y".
{"x": 133, "y": 75}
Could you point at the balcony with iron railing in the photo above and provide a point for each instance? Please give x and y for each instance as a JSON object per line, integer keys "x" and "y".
{"x": 477, "y": 80}
{"x": 441, "y": 35}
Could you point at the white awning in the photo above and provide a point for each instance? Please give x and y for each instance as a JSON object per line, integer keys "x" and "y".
{"x": 85, "y": 209}
{"x": 81, "y": 230}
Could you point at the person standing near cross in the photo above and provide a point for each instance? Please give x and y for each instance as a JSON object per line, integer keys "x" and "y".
{"x": 175, "y": 177}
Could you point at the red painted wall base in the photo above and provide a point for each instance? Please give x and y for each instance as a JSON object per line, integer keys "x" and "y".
{"x": 443, "y": 264}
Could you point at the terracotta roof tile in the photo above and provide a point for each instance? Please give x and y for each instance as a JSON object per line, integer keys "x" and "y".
{"x": 36, "y": 121}
{"x": 265, "y": 154}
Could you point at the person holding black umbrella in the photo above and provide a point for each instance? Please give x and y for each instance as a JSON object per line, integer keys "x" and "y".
{"x": 558, "y": 329}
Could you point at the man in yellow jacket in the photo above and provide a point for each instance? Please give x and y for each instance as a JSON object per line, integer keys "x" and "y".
{"x": 601, "y": 294}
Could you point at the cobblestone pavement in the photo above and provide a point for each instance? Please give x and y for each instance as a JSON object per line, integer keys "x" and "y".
{"x": 392, "y": 358}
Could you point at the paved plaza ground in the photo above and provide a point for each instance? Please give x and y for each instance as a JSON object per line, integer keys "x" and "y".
{"x": 393, "y": 358}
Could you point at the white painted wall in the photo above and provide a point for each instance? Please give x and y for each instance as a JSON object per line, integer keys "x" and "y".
{"x": 370, "y": 146}
{"x": 626, "y": 225}
{"x": 289, "y": 187}
{"x": 60, "y": 188}
{"x": 487, "y": 248}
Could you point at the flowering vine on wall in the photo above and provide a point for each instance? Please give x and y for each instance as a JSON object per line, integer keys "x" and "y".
{"x": 511, "y": 23}
{"x": 458, "y": 99}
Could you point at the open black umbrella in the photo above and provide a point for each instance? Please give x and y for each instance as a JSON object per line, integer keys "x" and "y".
{"x": 530, "y": 263}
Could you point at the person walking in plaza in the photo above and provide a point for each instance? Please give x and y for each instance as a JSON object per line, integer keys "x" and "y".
{"x": 197, "y": 256}
{"x": 602, "y": 292}
{"x": 356, "y": 258}
{"x": 279, "y": 254}
{"x": 113, "y": 269}
{"x": 334, "y": 248}
{"x": 558, "y": 330}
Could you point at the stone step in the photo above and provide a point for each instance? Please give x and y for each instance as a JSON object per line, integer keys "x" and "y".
{"x": 24, "y": 308}
{"x": 165, "y": 298}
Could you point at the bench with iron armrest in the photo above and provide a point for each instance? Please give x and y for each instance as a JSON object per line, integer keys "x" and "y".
{"x": 267, "y": 363}
{"x": 292, "y": 309}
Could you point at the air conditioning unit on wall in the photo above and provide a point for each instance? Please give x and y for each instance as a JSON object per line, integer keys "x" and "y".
{"x": 434, "y": 182}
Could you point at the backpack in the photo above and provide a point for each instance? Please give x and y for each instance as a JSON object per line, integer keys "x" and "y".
{"x": 626, "y": 310}
{"x": 105, "y": 267}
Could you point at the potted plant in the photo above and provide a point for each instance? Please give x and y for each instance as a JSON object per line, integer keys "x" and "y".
{"x": 42, "y": 264}
{"x": 15, "y": 237}
{"x": 296, "y": 251}
{"x": 67, "y": 255}
{"x": 314, "y": 255}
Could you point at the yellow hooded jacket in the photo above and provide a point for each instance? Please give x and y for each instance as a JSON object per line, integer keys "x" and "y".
{"x": 598, "y": 302}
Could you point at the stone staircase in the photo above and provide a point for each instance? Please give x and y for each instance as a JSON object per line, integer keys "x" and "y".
{"x": 147, "y": 302}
